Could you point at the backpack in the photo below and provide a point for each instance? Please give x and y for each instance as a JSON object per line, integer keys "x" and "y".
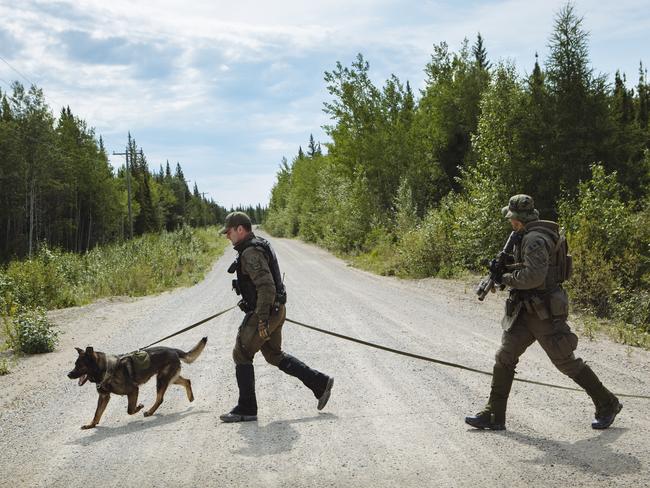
{"x": 564, "y": 260}
{"x": 558, "y": 247}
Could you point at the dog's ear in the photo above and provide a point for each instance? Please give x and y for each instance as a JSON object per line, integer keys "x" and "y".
{"x": 89, "y": 350}
{"x": 80, "y": 351}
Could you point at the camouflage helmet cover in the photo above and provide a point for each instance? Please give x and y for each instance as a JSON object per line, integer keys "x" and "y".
{"x": 235, "y": 219}
{"x": 521, "y": 207}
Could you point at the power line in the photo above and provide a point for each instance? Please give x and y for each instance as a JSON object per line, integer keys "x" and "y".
{"x": 24, "y": 77}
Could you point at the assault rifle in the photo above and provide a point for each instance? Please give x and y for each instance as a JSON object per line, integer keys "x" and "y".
{"x": 498, "y": 266}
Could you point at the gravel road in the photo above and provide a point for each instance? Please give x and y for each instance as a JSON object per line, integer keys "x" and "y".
{"x": 391, "y": 421}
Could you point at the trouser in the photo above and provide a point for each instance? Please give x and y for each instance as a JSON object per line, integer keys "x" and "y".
{"x": 555, "y": 337}
{"x": 558, "y": 342}
{"x": 249, "y": 342}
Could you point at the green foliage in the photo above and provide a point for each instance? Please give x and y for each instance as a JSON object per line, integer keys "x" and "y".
{"x": 31, "y": 332}
{"x": 427, "y": 250}
{"x": 4, "y": 367}
{"x": 610, "y": 243}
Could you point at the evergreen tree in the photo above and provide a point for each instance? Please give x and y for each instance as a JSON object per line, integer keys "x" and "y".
{"x": 480, "y": 54}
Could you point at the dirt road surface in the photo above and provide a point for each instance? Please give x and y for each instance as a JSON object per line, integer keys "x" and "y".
{"x": 391, "y": 421}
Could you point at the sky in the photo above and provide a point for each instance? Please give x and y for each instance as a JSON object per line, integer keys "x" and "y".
{"x": 228, "y": 89}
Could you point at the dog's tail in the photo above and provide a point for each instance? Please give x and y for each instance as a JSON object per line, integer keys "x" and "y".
{"x": 191, "y": 355}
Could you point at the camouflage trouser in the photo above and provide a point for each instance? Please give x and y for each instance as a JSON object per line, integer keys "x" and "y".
{"x": 248, "y": 340}
{"x": 555, "y": 337}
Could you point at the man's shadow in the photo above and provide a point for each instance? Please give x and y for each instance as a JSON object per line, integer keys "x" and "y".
{"x": 100, "y": 432}
{"x": 273, "y": 438}
{"x": 594, "y": 454}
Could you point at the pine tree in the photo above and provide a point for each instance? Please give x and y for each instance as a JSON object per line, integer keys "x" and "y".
{"x": 312, "y": 149}
{"x": 480, "y": 54}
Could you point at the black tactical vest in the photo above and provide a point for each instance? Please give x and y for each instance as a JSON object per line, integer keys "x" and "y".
{"x": 244, "y": 285}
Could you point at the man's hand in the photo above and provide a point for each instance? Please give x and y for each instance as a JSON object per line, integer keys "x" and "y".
{"x": 263, "y": 329}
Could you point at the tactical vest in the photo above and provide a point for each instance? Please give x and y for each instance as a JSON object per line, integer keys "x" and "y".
{"x": 560, "y": 266}
{"x": 244, "y": 285}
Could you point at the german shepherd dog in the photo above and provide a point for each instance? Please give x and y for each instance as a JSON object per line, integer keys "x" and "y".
{"x": 122, "y": 375}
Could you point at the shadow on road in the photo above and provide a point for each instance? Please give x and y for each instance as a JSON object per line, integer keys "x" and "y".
{"x": 275, "y": 437}
{"x": 101, "y": 433}
{"x": 595, "y": 454}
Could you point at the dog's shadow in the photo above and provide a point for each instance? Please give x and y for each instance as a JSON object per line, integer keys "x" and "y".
{"x": 275, "y": 437}
{"x": 101, "y": 433}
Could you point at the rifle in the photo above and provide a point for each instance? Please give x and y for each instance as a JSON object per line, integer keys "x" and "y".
{"x": 498, "y": 266}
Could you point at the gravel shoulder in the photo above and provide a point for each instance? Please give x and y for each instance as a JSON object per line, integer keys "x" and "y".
{"x": 391, "y": 420}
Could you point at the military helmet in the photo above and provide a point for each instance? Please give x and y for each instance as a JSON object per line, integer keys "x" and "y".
{"x": 521, "y": 207}
{"x": 235, "y": 219}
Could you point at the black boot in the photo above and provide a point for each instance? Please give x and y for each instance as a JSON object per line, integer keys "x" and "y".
{"x": 493, "y": 416}
{"x": 319, "y": 383}
{"x": 606, "y": 403}
{"x": 246, "y": 409}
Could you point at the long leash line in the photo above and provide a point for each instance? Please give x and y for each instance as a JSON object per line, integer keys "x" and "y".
{"x": 445, "y": 363}
{"x": 394, "y": 351}
{"x": 192, "y": 326}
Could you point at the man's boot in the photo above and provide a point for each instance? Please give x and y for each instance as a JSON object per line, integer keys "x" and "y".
{"x": 606, "y": 403}
{"x": 493, "y": 416}
{"x": 246, "y": 409}
{"x": 320, "y": 384}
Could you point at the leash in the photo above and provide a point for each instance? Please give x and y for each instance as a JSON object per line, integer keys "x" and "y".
{"x": 394, "y": 351}
{"x": 445, "y": 363}
{"x": 192, "y": 326}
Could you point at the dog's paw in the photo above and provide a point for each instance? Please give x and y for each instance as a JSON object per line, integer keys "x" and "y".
{"x": 89, "y": 426}
{"x": 139, "y": 407}
{"x": 148, "y": 413}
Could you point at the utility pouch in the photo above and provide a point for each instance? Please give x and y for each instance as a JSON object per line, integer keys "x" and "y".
{"x": 540, "y": 308}
{"x": 513, "y": 308}
{"x": 559, "y": 304}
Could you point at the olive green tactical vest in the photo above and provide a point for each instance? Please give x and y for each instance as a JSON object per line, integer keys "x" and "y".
{"x": 560, "y": 264}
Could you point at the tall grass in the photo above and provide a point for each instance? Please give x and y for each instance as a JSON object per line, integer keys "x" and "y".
{"x": 55, "y": 279}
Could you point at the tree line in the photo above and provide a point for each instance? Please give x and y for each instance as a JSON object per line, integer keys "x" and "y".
{"x": 418, "y": 180}
{"x": 57, "y": 186}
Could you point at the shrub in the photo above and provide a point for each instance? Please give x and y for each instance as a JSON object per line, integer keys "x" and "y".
{"x": 30, "y": 332}
{"x": 610, "y": 243}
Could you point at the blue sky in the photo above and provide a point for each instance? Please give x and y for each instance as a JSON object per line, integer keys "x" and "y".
{"x": 229, "y": 88}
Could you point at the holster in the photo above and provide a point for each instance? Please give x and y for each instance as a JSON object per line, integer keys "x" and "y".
{"x": 235, "y": 286}
{"x": 244, "y": 306}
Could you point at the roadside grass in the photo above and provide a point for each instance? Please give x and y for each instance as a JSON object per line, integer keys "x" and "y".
{"x": 53, "y": 279}
{"x": 591, "y": 327}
